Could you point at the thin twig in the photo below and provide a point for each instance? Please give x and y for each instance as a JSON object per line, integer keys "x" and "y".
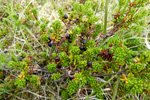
{"x": 108, "y": 34}
{"x": 39, "y": 96}
{"x": 117, "y": 73}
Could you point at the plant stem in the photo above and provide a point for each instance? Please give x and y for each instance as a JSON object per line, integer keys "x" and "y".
{"x": 116, "y": 87}
{"x": 105, "y": 22}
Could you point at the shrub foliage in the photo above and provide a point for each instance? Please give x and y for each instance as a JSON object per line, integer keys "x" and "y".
{"x": 73, "y": 56}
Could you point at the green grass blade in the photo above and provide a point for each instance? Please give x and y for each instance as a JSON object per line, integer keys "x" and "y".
{"x": 26, "y": 40}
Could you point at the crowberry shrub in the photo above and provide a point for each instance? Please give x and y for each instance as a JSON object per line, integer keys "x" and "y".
{"x": 73, "y": 56}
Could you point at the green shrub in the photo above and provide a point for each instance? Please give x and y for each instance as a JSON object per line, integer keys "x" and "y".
{"x": 73, "y": 54}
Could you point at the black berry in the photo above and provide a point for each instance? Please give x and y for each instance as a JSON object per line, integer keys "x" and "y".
{"x": 49, "y": 38}
{"x": 83, "y": 41}
{"x": 89, "y": 63}
{"x": 67, "y": 36}
{"x": 20, "y": 58}
{"x": 59, "y": 66}
{"x": 82, "y": 48}
{"x": 50, "y": 44}
{"x": 70, "y": 40}
{"x": 65, "y": 16}
{"x": 57, "y": 59}
{"x": 77, "y": 19}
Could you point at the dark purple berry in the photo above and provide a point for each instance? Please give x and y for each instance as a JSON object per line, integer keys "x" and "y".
{"x": 70, "y": 40}
{"x": 89, "y": 63}
{"x": 50, "y": 44}
{"x": 49, "y": 38}
{"x": 83, "y": 41}
{"x": 20, "y": 58}
{"x": 65, "y": 16}
{"x": 57, "y": 59}
{"x": 82, "y": 48}
{"x": 67, "y": 36}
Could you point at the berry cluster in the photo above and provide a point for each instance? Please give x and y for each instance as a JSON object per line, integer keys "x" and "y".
{"x": 82, "y": 47}
{"x": 68, "y": 37}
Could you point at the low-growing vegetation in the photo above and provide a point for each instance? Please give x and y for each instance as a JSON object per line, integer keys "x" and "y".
{"x": 81, "y": 50}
